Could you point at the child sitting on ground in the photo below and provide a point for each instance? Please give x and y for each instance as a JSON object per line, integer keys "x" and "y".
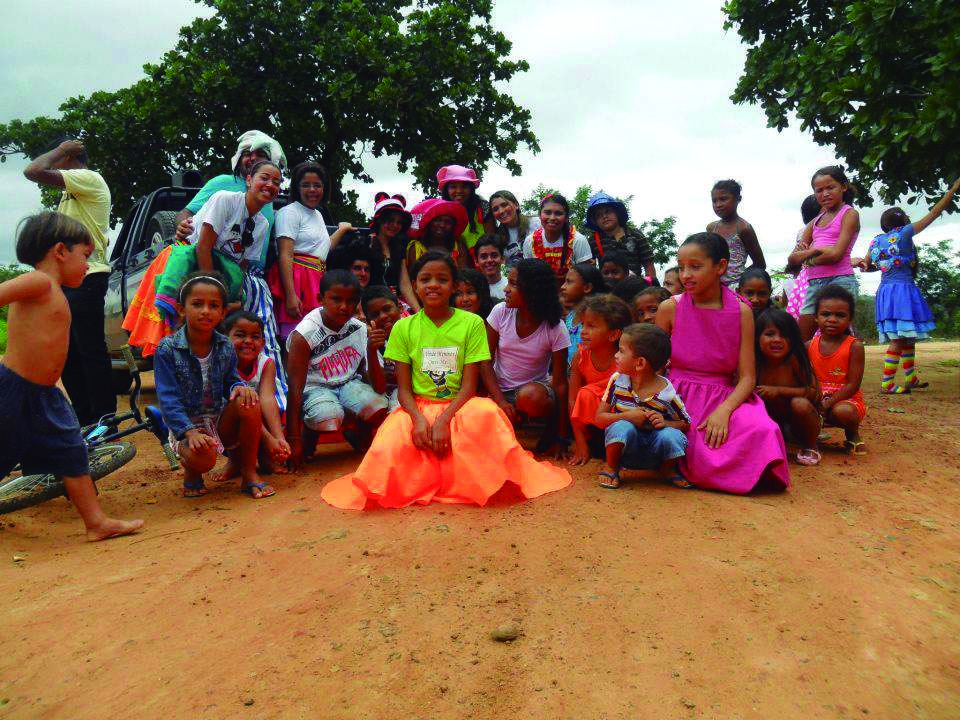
{"x": 786, "y": 383}
{"x": 329, "y": 353}
{"x": 838, "y": 359}
{"x": 528, "y": 342}
{"x": 671, "y": 281}
{"x": 603, "y": 317}
{"x": 443, "y": 445}
{"x": 628, "y": 290}
{"x": 582, "y": 281}
{"x": 259, "y": 372}
{"x": 473, "y": 293}
{"x": 615, "y": 268}
{"x": 206, "y": 405}
{"x": 382, "y": 309}
{"x": 644, "y": 418}
{"x": 646, "y": 302}
{"x": 38, "y": 427}
{"x": 756, "y": 287}
{"x": 489, "y": 252}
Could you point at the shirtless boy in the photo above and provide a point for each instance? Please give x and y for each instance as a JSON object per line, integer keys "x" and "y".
{"x": 38, "y": 428}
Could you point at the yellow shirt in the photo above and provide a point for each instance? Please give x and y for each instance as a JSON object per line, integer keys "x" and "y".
{"x": 86, "y": 198}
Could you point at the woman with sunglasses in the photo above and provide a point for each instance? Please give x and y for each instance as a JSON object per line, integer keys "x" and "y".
{"x": 304, "y": 246}
{"x": 231, "y": 236}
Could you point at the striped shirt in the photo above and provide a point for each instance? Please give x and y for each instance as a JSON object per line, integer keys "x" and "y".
{"x": 620, "y": 397}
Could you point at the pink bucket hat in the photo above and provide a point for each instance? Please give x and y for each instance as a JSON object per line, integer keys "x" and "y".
{"x": 431, "y": 208}
{"x": 454, "y": 173}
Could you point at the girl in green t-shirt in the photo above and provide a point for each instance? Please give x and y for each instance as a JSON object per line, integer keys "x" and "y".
{"x": 442, "y": 444}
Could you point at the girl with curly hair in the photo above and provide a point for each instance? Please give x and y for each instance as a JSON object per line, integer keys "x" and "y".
{"x": 528, "y": 342}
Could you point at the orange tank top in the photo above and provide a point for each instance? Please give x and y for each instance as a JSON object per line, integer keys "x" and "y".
{"x": 832, "y": 370}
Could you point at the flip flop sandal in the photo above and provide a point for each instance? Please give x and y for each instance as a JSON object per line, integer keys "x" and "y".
{"x": 809, "y": 456}
{"x": 612, "y": 482}
{"x": 194, "y": 488}
{"x": 679, "y": 481}
{"x": 897, "y": 390}
{"x": 855, "y": 447}
{"x": 262, "y": 487}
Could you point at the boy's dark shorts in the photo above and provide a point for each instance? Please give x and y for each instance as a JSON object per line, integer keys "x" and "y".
{"x": 38, "y": 429}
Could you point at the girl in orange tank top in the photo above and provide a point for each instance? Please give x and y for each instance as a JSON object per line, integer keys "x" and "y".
{"x": 838, "y": 358}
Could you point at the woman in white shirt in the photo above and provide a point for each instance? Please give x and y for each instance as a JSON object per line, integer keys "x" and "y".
{"x": 303, "y": 245}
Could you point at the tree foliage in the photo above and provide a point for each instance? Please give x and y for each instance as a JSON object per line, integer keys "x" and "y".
{"x": 329, "y": 79}
{"x": 878, "y": 80}
{"x": 659, "y": 233}
{"x": 938, "y": 278}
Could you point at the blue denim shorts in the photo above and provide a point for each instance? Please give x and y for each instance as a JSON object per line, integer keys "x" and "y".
{"x": 323, "y": 404}
{"x": 815, "y": 285}
{"x": 645, "y": 448}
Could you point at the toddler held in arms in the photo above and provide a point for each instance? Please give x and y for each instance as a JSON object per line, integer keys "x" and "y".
{"x": 644, "y": 419}
{"x": 38, "y": 427}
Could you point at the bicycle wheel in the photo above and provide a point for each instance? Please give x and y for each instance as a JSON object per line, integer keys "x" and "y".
{"x": 104, "y": 459}
{"x": 22, "y": 492}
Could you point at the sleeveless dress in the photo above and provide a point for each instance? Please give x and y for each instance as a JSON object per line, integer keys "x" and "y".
{"x": 738, "y": 257}
{"x": 706, "y": 349}
{"x": 901, "y": 311}
{"x": 831, "y": 370}
{"x": 253, "y": 380}
{"x": 595, "y": 381}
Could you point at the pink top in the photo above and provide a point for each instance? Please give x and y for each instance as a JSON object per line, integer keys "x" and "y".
{"x": 826, "y": 237}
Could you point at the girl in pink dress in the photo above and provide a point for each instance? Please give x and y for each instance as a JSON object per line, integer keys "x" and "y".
{"x": 732, "y": 443}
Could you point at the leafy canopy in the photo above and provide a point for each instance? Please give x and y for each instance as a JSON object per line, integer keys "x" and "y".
{"x": 878, "y": 80}
{"x": 329, "y": 79}
{"x": 659, "y": 233}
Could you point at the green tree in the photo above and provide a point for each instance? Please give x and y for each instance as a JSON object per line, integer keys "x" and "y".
{"x": 329, "y": 79}
{"x": 878, "y": 80}
{"x": 938, "y": 278}
{"x": 659, "y": 233}
{"x": 7, "y": 272}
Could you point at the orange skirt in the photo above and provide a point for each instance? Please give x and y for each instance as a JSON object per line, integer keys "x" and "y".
{"x": 143, "y": 321}
{"x": 588, "y": 402}
{"x": 484, "y": 456}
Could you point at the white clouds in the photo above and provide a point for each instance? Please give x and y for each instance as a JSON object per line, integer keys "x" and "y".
{"x": 631, "y": 97}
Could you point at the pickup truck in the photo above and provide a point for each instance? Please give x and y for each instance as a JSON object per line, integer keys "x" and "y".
{"x": 148, "y": 228}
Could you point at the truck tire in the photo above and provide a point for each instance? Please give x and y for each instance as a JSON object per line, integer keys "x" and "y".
{"x": 161, "y": 230}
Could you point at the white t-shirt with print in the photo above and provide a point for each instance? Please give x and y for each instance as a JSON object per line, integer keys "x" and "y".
{"x": 226, "y": 212}
{"x": 335, "y": 357}
{"x": 305, "y": 227}
{"x": 581, "y": 248}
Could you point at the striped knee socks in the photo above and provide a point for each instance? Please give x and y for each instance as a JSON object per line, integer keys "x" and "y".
{"x": 910, "y": 377}
{"x": 890, "y": 362}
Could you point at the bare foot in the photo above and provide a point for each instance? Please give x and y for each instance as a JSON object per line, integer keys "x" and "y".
{"x": 580, "y": 456}
{"x": 111, "y": 528}
{"x": 230, "y": 471}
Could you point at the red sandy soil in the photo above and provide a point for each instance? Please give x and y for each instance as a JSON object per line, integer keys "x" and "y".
{"x": 836, "y": 599}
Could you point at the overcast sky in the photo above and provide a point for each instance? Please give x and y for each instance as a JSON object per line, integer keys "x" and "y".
{"x": 630, "y": 97}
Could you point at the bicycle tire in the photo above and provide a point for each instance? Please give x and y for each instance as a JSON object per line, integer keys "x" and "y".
{"x": 17, "y": 493}
{"x": 104, "y": 459}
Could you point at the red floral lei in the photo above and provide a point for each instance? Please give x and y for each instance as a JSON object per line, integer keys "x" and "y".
{"x": 554, "y": 255}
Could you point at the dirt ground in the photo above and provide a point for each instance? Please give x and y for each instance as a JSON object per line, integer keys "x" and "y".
{"x": 836, "y": 599}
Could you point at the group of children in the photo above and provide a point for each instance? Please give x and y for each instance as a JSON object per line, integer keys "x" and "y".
{"x": 483, "y": 330}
